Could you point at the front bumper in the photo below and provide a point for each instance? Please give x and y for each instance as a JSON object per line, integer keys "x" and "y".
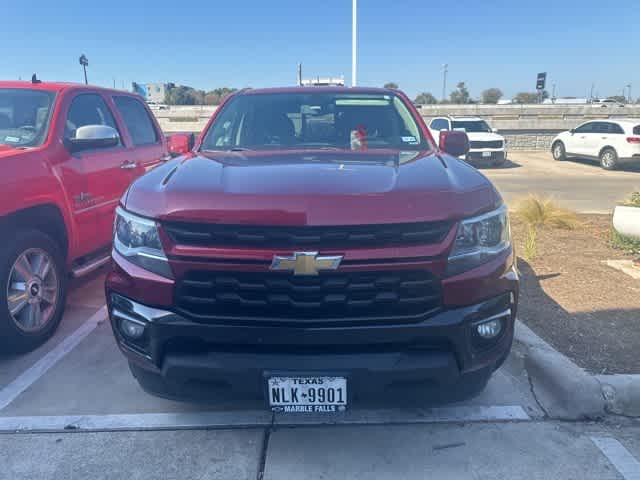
{"x": 182, "y": 359}
{"x": 486, "y": 157}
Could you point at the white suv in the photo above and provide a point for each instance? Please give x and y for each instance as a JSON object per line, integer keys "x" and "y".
{"x": 612, "y": 142}
{"x": 486, "y": 147}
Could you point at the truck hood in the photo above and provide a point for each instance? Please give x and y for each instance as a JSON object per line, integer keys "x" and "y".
{"x": 484, "y": 136}
{"x": 312, "y": 188}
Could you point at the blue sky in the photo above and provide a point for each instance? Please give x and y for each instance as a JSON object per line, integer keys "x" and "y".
{"x": 208, "y": 44}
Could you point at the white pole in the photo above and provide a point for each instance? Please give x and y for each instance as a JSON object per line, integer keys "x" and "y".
{"x": 354, "y": 50}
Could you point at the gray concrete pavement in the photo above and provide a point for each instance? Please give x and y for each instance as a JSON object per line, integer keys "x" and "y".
{"x": 85, "y": 297}
{"x": 530, "y": 450}
{"x": 179, "y": 455}
{"x": 581, "y": 186}
{"x": 12, "y": 365}
{"x": 477, "y": 451}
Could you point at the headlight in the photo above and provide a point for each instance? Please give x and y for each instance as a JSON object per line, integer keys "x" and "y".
{"x": 137, "y": 239}
{"x": 479, "y": 239}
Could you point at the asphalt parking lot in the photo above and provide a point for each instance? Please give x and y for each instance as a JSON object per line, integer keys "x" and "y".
{"x": 74, "y": 408}
{"x": 580, "y": 185}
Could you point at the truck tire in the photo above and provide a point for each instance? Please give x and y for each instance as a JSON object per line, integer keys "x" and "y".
{"x": 32, "y": 290}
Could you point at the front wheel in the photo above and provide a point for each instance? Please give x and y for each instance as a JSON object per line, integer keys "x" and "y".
{"x": 559, "y": 152}
{"x": 608, "y": 159}
{"x": 32, "y": 290}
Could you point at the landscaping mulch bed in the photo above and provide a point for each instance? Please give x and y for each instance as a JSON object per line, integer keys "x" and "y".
{"x": 587, "y": 310}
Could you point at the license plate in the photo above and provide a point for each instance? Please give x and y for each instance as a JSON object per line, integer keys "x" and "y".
{"x": 307, "y": 394}
{"x": 486, "y": 154}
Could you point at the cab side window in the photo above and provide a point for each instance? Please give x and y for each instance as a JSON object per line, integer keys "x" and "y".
{"x": 137, "y": 120}
{"x": 440, "y": 124}
{"x": 87, "y": 109}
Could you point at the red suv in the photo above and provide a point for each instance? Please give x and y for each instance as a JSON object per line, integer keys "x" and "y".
{"x": 316, "y": 248}
{"x": 67, "y": 152}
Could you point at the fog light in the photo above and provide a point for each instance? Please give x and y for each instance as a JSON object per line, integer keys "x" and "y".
{"x": 130, "y": 329}
{"x": 490, "y": 329}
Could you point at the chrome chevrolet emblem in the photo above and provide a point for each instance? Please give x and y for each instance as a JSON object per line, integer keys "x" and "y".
{"x": 305, "y": 263}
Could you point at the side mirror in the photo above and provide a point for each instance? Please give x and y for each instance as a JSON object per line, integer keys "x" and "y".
{"x": 454, "y": 142}
{"x": 572, "y": 131}
{"x": 494, "y": 130}
{"x": 180, "y": 143}
{"x": 91, "y": 137}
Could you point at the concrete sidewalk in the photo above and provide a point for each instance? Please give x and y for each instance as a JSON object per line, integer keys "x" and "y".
{"x": 527, "y": 451}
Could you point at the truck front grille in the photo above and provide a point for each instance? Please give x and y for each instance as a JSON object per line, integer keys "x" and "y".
{"x": 320, "y": 237}
{"x": 486, "y": 144}
{"x": 336, "y": 296}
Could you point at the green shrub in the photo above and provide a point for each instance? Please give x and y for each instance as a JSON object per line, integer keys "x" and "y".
{"x": 622, "y": 242}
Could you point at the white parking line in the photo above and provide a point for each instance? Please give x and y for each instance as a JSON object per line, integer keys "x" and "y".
{"x": 9, "y": 393}
{"x": 256, "y": 418}
{"x": 451, "y": 414}
{"x": 137, "y": 421}
{"x": 619, "y": 457}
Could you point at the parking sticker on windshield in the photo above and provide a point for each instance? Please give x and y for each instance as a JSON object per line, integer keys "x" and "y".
{"x": 11, "y": 139}
{"x": 409, "y": 139}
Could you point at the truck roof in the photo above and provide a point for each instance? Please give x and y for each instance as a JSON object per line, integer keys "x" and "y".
{"x": 52, "y": 86}
{"x": 311, "y": 89}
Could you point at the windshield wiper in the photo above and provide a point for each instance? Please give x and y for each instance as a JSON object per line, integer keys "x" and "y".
{"x": 233, "y": 149}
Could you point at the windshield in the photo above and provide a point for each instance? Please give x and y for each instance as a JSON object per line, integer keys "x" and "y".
{"x": 24, "y": 116}
{"x": 314, "y": 120}
{"x": 471, "y": 125}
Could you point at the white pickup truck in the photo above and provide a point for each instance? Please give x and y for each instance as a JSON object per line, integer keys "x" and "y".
{"x": 486, "y": 147}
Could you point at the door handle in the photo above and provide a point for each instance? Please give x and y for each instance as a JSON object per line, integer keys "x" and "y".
{"x": 128, "y": 165}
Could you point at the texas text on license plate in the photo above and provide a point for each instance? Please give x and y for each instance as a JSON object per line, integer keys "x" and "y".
{"x": 307, "y": 394}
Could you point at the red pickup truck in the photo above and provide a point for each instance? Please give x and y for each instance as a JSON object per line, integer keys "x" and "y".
{"x": 68, "y": 152}
{"x": 316, "y": 247}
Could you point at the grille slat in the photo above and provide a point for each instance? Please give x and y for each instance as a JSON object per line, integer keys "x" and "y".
{"x": 336, "y": 296}
{"x": 352, "y": 236}
{"x": 485, "y": 144}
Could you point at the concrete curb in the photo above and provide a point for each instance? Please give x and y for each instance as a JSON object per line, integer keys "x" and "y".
{"x": 566, "y": 392}
{"x": 621, "y": 394}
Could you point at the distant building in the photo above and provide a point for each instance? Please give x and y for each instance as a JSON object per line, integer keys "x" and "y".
{"x": 151, "y": 92}
{"x": 323, "y": 82}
